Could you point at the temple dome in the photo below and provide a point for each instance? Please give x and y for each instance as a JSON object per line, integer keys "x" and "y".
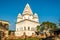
{"x": 35, "y": 15}
{"x": 19, "y": 15}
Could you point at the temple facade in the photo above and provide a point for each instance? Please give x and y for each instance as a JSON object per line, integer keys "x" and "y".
{"x": 26, "y": 22}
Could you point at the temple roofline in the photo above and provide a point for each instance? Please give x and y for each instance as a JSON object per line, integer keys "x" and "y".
{"x": 28, "y": 20}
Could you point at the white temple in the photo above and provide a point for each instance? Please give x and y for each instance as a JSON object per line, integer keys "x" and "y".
{"x": 26, "y": 22}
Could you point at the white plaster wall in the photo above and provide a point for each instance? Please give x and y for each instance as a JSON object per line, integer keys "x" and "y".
{"x": 36, "y": 20}
{"x": 25, "y": 24}
{"x": 20, "y": 33}
{"x": 18, "y": 20}
{"x": 25, "y": 16}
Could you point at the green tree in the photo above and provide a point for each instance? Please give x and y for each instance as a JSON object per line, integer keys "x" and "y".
{"x": 49, "y": 25}
{"x": 38, "y": 28}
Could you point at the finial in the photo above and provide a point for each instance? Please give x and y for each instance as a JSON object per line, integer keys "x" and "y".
{"x": 35, "y": 14}
{"x": 19, "y": 14}
{"x": 27, "y": 4}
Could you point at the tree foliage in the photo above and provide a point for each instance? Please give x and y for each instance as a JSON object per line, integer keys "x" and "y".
{"x": 49, "y": 25}
{"x": 38, "y": 28}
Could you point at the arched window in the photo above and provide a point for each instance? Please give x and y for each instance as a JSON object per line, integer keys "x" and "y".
{"x": 24, "y": 28}
{"x": 28, "y": 28}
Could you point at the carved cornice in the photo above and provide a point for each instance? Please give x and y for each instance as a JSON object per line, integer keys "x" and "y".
{"x": 28, "y": 20}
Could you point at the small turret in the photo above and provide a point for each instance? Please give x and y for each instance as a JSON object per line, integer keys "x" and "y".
{"x": 19, "y": 18}
{"x": 35, "y": 17}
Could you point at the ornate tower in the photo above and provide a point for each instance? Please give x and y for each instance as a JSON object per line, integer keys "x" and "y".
{"x": 27, "y": 13}
{"x": 35, "y": 17}
{"x": 19, "y": 18}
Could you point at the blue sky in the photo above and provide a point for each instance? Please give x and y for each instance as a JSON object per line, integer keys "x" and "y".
{"x": 47, "y": 10}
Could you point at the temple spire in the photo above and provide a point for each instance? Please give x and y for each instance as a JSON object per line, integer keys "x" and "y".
{"x": 27, "y": 10}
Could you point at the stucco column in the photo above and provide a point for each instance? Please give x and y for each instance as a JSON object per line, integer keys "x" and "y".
{"x": 30, "y": 28}
{"x": 27, "y": 28}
